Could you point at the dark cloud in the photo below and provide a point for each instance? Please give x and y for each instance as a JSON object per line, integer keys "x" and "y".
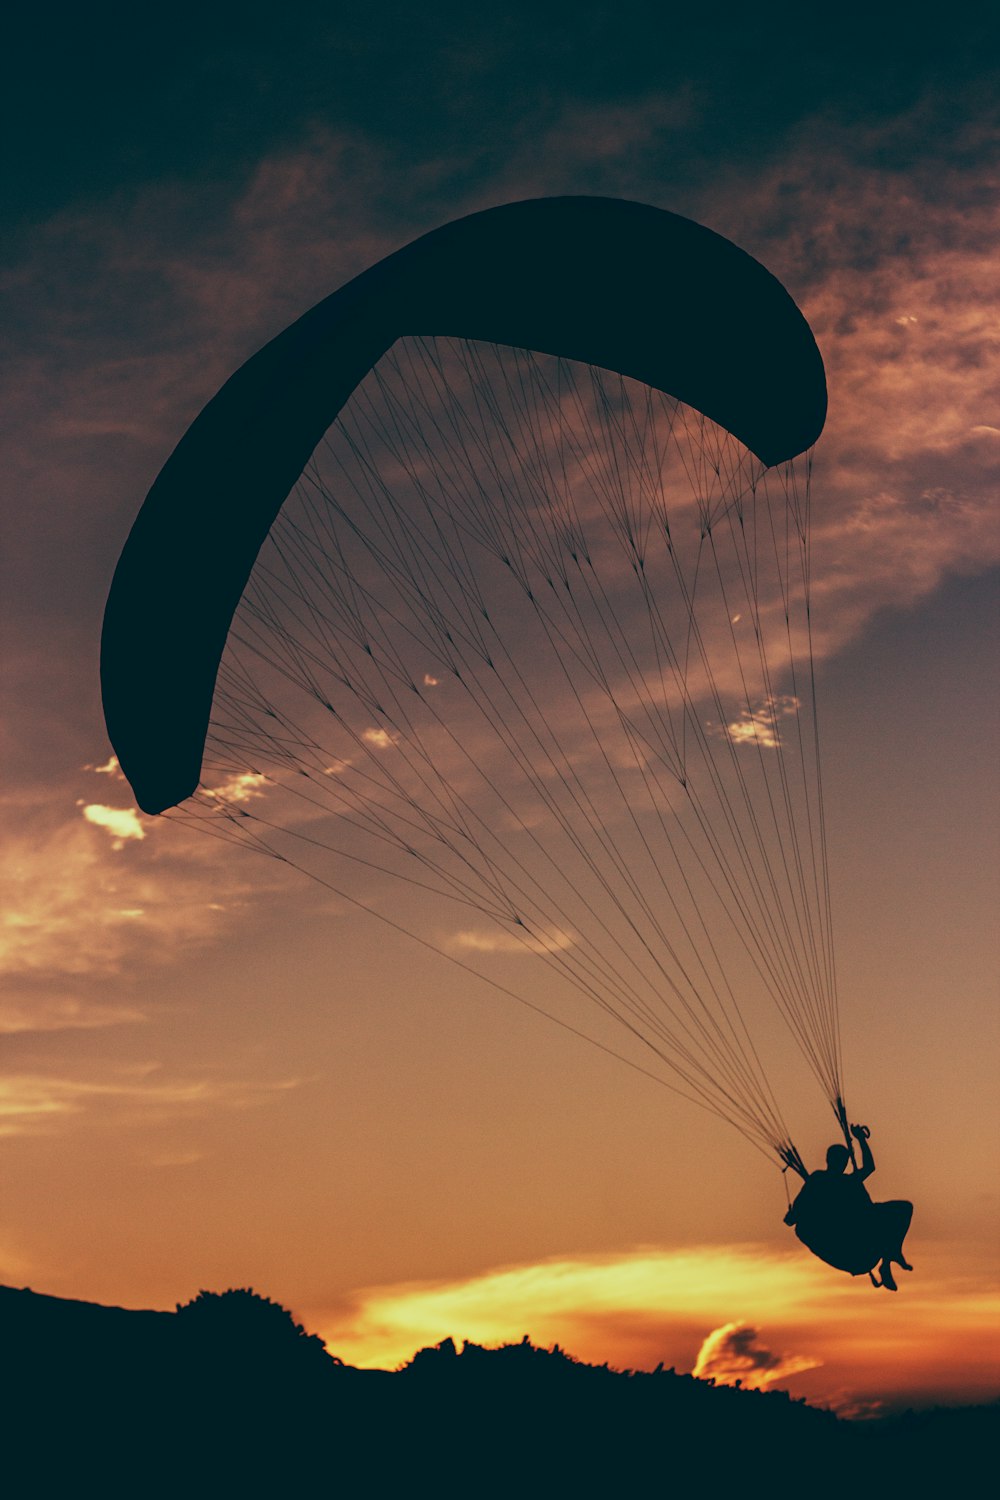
{"x": 102, "y": 99}
{"x": 733, "y": 1354}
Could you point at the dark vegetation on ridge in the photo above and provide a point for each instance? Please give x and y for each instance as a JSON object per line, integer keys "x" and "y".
{"x": 230, "y": 1396}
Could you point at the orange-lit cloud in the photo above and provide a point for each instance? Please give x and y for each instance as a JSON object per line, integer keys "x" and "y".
{"x": 573, "y": 1301}
{"x": 475, "y": 941}
{"x": 31, "y": 1103}
{"x": 77, "y": 902}
{"x": 734, "y": 1355}
{"x": 245, "y": 786}
{"x": 122, "y": 822}
{"x": 895, "y": 268}
{"x": 379, "y": 739}
{"x": 696, "y": 1309}
{"x": 896, "y": 278}
{"x": 759, "y": 726}
{"x": 70, "y": 903}
{"x": 109, "y": 768}
{"x": 44, "y": 1011}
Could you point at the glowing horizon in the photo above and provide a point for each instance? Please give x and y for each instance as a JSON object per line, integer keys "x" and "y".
{"x": 656, "y": 1306}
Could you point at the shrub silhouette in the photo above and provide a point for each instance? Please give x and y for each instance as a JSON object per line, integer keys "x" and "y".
{"x": 239, "y": 1346}
{"x": 242, "y": 1317}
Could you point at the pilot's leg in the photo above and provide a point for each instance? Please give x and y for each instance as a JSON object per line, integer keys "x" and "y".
{"x": 885, "y": 1271}
{"x": 892, "y": 1220}
{"x": 898, "y": 1215}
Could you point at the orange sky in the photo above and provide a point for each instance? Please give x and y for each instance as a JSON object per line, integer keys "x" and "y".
{"x": 215, "y": 1074}
{"x": 831, "y": 1342}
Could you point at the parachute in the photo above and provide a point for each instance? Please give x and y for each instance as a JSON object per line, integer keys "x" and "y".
{"x": 490, "y": 578}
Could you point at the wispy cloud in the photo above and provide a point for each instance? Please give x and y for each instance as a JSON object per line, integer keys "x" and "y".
{"x": 654, "y": 1299}
{"x": 176, "y": 1158}
{"x": 35, "y": 1103}
{"x": 41, "y": 1010}
{"x": 894, "y": 265}
{"x": 86, "y": 895}
{"x": 482, "y": 941}
{"x": 734, "y": 1355}
{"x": 676, "y": 1306}
{"x": 891, "y": 254}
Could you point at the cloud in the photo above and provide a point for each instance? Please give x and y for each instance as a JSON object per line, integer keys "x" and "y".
{"x": 899, "y": 288}
{"x": 338, "y": 767}
{"x": 894, "y": 266}
{"x": 75, "y": 904}
{"x": 759, "y": 726}
{"x": 243, "y": 786}
{"x": 176, "y": 1158}
{"x": 732, "y": 1355}
{"x": 651, "y": 1304}
{"x": 123, "y": 822}
{"x": 379, "y": 739}
{"x": 475, "y": 941}
{"x": 889, "y": 248}
{"x": 109, "y": 768}
{"x": 35, "y": 1103}
{"x": 44, "y": 1011}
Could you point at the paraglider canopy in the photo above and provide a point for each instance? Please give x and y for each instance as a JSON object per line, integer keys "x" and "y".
{"x": 615, "y": 284}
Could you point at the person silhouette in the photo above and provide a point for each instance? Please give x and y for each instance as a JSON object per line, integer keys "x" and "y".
{"x": 835, "y": 1218}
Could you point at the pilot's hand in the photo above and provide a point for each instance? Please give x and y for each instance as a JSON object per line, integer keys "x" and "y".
{"x": 860, "y": 1132}
{"x": 789, "y": 1218}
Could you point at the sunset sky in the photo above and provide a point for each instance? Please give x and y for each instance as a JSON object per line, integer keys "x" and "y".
{"x": 215, "y": 1073}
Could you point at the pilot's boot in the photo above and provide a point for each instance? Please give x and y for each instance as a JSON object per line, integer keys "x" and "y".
{"x": 885, "y": 1271}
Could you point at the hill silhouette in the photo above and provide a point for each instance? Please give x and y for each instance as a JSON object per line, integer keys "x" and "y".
{"x": 230, "y": 1396}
